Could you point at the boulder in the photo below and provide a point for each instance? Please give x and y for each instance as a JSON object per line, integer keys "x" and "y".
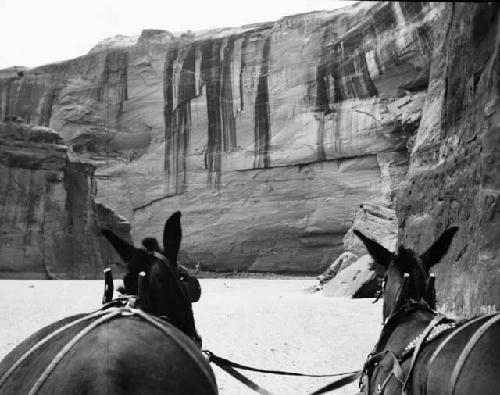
{"x": 358, "y": 280}
{"x": 377, "y": 222}
{"x": 344, "y": 260}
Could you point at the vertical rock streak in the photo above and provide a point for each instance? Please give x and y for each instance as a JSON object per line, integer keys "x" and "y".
{"x": 226, "y": 99}
{"x": 242, "y": 70}
{"x": 187, "y": 67}
{"x": 211, "y": 74}
{"x": 112, "y": 88}
{"x": 262, "y": 119}
{"x": 168, "y": 113}
{"x": 47, "y": 106}
{"x": 180, "y": 86}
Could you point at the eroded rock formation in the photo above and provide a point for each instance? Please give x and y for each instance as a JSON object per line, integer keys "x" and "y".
{"x": 358, "y": 280}
{"x": 49, "y": 223}
{"x": 114, "y": 92}
{"x": 377, "y": 222}
{"x": 455, "y": 160}
{"x": 273, "y": 133}
{"x": 268, "y": 137}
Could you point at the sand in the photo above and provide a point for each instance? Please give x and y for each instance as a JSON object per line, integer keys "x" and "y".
{"x": 270, "y": 324}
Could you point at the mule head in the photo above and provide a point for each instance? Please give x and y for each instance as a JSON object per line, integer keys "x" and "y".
{"x": 136, "y": 260}
{"x": 150, "y": 257}
{"x": 417, "y": 284}
{"x": 164, "y": 295}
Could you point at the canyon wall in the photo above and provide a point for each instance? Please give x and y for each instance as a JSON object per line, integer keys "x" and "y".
{"x": 267, "y": 137}
{"x": 49, "y": 222}
{"x": 107, "y": 101}
{"x": 276, "y": 133}
{"x": 455, "y": 160}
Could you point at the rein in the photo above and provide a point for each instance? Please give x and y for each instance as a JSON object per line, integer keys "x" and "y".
{"x": 231, "y": 366}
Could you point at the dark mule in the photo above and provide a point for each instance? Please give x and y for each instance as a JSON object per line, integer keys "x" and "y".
{"x": 119, "y": 349}
{"x": 165, "y": 295}
{"x": 419, "y": 350}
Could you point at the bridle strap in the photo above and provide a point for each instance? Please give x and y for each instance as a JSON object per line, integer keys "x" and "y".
{"x": 435, "y": 321}
{"x": 159, "y": 256}
{"x": 402, "y": 309}
{"x": 396, "y": 371}
{"x": 399, "y": 304}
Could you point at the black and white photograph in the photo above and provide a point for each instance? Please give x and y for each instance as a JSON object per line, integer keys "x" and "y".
{"x": 208, "y": 197}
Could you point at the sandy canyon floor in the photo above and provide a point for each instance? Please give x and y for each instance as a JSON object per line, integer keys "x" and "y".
{"x": 270, "y": 324}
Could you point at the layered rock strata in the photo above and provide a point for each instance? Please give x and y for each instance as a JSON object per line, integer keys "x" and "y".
{"x": 270, "y": 135}
{"x": 377, "y": 222}
{"x": 49, "y": 223}
{"x": 455, "y": 160}
{"x": 273, "y": 133}
{"x": 114, "y": 92}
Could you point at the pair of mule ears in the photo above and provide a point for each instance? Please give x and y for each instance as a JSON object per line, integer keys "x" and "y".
{"x": 432, "y": 256}
{"x": 172, "y": 235}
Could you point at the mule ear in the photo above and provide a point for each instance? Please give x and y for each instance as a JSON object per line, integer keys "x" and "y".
{"x": 124, "y": 249}
{"x": 172, "y": 235}
{"x": 380, "y": 254}
{"x": 439, "y": 249}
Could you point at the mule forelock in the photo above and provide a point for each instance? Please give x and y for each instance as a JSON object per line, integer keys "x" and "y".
{"x": 151, "y": 244}
{"x": 407, "y": 261}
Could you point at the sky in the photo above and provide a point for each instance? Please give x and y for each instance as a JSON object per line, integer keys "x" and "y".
{"x": 37, "y": 32}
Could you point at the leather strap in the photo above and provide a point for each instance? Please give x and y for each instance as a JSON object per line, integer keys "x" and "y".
{"x": 467, "y": 350}
{"x": 444, "y": 343}
{"x": 396, "y": 371}
{"x": 435, "y": 321}
{"x": 46, "y": 339}
{"x": 237, "y": 375}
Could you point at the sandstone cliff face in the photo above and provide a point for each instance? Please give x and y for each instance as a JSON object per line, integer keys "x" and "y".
{"x": 455, "y": 160}
{"x": 273, "y": 133}
{"x": 48, "y": 219}
{"x": 268, "y": 137}
{"x": 114, "y": 92}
